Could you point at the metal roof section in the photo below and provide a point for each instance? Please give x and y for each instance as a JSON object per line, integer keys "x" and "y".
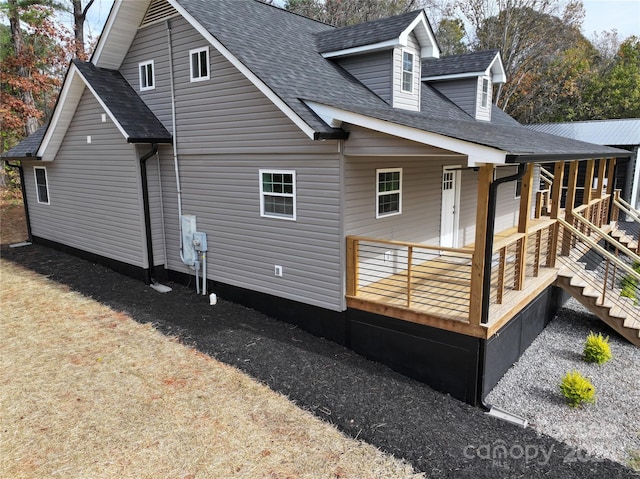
{"x": 466, "y": 65}
{"x": 27, "y": 148}
{"x": 619, "y": 132}
{"x": 378, "y": 35}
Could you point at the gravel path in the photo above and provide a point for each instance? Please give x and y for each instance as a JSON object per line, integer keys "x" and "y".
{"x": 437, "y": 434}
{"x": 611, "y": 427}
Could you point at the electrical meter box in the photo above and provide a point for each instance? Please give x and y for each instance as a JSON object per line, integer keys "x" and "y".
{"x": 200, "y": 241}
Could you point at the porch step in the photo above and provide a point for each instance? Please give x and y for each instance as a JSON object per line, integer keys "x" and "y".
{"x": 622, "y": 315}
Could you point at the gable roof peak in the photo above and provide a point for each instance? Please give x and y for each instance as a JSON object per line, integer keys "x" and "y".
{"x": 380, "y": 34}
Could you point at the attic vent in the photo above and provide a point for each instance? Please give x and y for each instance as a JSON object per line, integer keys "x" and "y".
{"x": 158, "y": 10}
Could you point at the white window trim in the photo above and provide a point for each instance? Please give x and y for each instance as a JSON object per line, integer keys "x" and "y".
{"x": 263, "y": 193}
{"x": 484, "y": 98}
{"x": 379, "y": 194}
{"x": 153, "y": 75}
{"x": 402, "y": 70}
{"x": 191, "y": 53}
{"x": 46, "y": 179}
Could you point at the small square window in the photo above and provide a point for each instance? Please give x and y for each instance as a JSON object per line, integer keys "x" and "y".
{"x": 147, "y": 75}
{"x": 407, "y": 72}
{"x": 278, "y": 194}
{"x": 485, "y": 92}
{"x": 388, "y": 192}
{"x": 42, "y": 186}
{"x": 199, "y": 63}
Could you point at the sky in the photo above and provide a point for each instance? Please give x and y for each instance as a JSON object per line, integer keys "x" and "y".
{"x": 601, "y": 15}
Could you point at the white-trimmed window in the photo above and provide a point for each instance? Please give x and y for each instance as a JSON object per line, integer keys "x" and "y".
{"x": 42, "y": 185}
{"x": 278, "y": 194}
{"x": 407, "y": 72}
{"x": 199, "y": 64}
{"x": 485, "y": 93}
{"x": 147, "y": 75}
{"x": 388, "y": 192}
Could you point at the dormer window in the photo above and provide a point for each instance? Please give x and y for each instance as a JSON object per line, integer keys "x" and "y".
{"x": 147, "y": 78}
{"x": 407, "y": 72}
{"x": 199, "y": 62}
{"x": 485, "y": 93}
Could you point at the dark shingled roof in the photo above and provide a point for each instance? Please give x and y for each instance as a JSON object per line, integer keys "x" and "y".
{"x": 367, "y": 33}
{"x": 27, "y": 148}
{"x": 455, "y": 64}
{"x": 260, "y": 36}
{"x": 133, "y": 115}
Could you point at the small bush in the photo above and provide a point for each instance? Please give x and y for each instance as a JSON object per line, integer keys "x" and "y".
{"x": 577, "y": 389}
{"x": 629, "y": 285}
{"x": 596, "y": 349}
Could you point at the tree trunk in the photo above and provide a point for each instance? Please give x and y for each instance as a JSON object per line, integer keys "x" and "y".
{"x": 79, "y": 16}
{"x": 31, "y": 123}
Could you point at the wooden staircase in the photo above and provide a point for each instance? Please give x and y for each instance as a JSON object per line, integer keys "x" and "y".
{"x": 619, "y": 312}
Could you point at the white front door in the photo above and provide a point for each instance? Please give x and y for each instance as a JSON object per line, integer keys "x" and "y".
{"x": 450, "y": 218}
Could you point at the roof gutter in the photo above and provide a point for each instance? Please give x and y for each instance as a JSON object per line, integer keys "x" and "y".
{"x": 553, "y": 157}
{"x": 24, "y": 198}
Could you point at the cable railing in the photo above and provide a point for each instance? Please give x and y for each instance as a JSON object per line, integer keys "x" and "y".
{"x": 608, "y": 274}
{"x": 627, "y": 223}
{"x": 432, "y": 279}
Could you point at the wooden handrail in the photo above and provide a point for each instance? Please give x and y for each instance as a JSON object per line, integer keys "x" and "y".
{"x": 621, "y": 264}
{"x": 627, "y": 208}
{"x": 413, "y": 245}
{"x": 609, "y": 239}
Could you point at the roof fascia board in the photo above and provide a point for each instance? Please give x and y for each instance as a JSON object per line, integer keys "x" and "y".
{"x": 476, "y": 154}
{"x": 453, "y": 76}
{"x": 373, "y": 47}
{"x": 118, "y": 33}
{"x": 430, "y": 50}
{"x": 67, "y": 101}
{"x": 270, "y": 94}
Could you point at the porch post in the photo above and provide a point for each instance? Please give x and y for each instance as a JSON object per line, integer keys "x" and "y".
{"x": 588, "y": 182}
{"x": 556, "y": 196}
{"x": 523, "y": 224}
{"x": 611, "y": 176}
{"x": 602, "y": 168}
{"x": 570, "y": 204}
{"x": 485, "y": 178}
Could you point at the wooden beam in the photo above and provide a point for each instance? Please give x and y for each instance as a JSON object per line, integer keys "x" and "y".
{"x": 523, "y": 223}
{"x": 611, "y": 175}
{"x": 588, "y": 182}
{"x": 485, "y": 178}
{"x": 556, "y": 189}
{"x": 556, "y": 197}
{"x": 602, "y": 169}
{"x": 570, "y": 204}
{"x": 352, "y": 266}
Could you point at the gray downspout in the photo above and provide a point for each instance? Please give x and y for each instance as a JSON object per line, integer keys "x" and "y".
{"x": 24, "y": 199}
{"x": 149, "y": 277}
{"x": 486, "y": 275}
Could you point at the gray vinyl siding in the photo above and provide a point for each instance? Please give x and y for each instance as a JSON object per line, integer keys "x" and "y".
{"x": 367, "y": 142}
{"x": 225, "y": 114}
{"x": 461, "y": 92}
{"x": 375, "y": 70}
{"x": 421, "y": 199}
{"x": 226, "y": 131}
{"x": 223, "y": 193}
{"x": 94, "y": 190}
{"x": 404, "y": 100}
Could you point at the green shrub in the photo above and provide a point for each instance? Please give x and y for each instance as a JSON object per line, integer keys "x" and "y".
{"x": 629, "y": 285}
{"x": 577, "y": 389}
{"x": 596, "y": 349}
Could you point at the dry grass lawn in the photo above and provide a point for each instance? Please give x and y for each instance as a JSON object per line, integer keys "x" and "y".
{"x": 87, "y": 392}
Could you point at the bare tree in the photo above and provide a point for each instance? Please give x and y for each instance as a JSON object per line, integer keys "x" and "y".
{"x": 79, "y": 17}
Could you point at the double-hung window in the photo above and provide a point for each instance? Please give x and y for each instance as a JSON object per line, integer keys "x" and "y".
{"x": 407, "y": 72}
{"x": 485, "y": 93}
{"x": 278, "y": 194}
{"x": 42, "y": 186}
{"x": 147, "y": 78}
{"x": 388, "y": 192}
{"x": 199, "y": 63}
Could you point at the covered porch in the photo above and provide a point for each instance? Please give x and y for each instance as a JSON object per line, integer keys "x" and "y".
{"x": 477, "y": 289}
